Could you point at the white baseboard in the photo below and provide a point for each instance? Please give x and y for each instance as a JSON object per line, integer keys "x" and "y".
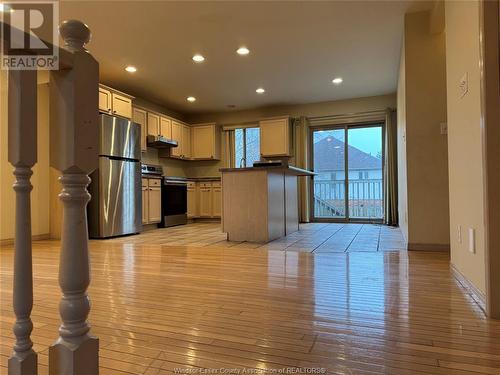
{"x": 471, "y": 289}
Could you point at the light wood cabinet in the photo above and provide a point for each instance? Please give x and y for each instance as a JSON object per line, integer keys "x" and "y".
{"x": 205, "y": 197}
{"x": 122, "y": 105}
{"x": 145, "y": 218}
{"x": 275, "y": 137}
{"x": 139, "y": 116}
{"x": 165, "y": 127}
{"x": 104, "y": 100}
{"x": 186, "y": 141}
{"x": 154, "y": 205}
{"x": 192, "y": 200}
{"x": 177, "y": 152}
{"x": 151, "y": 201}
{"x": 153, "y": 124}
{"x": 216, "y": 199}
{"x": 182, "y": 134}
{"x": 205, "y": 142}
{"x": 114, "y": 102}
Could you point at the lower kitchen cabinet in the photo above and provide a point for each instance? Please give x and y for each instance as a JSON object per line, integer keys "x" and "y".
{"x": 151, "y": 200}
{"x": 216, "y": 199}
{"x": 204, "y": 199}
{"x": 192, "y": 201}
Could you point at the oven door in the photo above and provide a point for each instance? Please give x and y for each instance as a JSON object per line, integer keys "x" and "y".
{"x": 174, "y": 203}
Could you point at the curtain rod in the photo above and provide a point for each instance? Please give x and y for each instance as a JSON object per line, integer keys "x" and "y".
{"x": 378, "y": 111}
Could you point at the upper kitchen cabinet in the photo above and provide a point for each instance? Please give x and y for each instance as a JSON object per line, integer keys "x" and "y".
{"x": 153, "y": 124}
{"x": 182, "y": 134}
{"x": 186, "y": 141}
{"x": 140, "y": 116}
{"x": 205, "y": 142}
{"x": 104, "y": 100}
{"x": 165, "y": 127}
{"x": 122, "y": 105}
{"x": 177, "y": 152}
{"x": 275, "y": 137}
{"x": 114, "y": 102}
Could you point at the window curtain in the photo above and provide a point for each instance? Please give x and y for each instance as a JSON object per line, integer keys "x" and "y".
{"x": 390, "y": 170}
{"x": 228, "y": 159}
{"x": 301, "y": 147}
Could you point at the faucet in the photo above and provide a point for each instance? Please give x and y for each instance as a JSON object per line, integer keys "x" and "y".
{"x": 243, "y": 162}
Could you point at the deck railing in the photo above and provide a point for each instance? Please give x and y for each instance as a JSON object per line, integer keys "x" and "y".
{"x": 365, "y": 198}
{"x": 73, "y": 151}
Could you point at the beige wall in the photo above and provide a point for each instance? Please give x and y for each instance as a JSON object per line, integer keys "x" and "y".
{"x": 402, "y": 177}
{"x": 40, "y": 178}
{"x": 464, "y": 138}
{"x": 422, "y": 100}
{"x": 339, "y": 107}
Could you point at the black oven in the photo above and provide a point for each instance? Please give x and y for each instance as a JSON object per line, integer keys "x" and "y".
{"x": 173, "y": 201}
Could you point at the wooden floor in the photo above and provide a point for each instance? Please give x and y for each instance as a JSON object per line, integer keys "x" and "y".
{"x": 157, "y": 308}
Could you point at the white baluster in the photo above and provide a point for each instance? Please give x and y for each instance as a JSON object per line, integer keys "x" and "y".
{"x": 74, "y": 135}
{"x": 22, "y": 155}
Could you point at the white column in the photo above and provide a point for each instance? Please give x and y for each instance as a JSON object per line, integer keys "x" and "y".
{"x": 74, "y": 136}
{"x": 22, "y": 155}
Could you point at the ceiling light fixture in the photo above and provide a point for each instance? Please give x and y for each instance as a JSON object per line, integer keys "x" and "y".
{"x": 337, "y": 81}
{"x": 131, "y": 69}
{"x": 243, "y": 51}
{"x": 198, "y": 58}
{"x": 191, "y": 99}
{"x": 260, "y": 90}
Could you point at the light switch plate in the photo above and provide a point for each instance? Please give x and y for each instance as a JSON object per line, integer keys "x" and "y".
{"x": 463, "y": 85}
{"x": 472, "y": 240}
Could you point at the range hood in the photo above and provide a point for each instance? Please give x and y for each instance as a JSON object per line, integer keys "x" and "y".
{"x": 157, "y": 141}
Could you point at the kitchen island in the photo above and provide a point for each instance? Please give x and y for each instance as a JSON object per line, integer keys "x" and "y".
{"x": 260, "y": 204}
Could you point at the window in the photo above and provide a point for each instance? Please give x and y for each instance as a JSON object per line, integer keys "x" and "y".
{"x": 246, "y": 147}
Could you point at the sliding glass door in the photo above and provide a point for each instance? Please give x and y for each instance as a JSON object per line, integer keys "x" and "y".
{"x": 349, "y": 166}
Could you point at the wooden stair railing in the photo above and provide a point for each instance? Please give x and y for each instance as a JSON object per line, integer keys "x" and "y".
{"x": 73, "y": 151}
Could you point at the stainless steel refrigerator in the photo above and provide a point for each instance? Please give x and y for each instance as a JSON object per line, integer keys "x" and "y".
{"x": 116, "y": 205}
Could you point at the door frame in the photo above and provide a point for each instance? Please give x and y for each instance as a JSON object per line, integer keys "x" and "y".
{"x": 346, "y": 127}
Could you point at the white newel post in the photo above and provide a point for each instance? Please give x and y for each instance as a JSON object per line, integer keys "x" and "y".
{"x": 74, "y": 138}
{"x": 22, "y": 155}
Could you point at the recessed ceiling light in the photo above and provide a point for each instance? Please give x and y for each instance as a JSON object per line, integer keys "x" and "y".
{"x": 191, "y": 99}
{"x": 260, "y": 90}
{"x": 198, "y": 58}
{"x": 337, "y": 81}
{"x": 131, "y": 69}
{"x": 243, "y": 51}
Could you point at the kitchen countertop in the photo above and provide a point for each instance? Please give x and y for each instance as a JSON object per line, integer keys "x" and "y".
{"x": 286, "y": 168}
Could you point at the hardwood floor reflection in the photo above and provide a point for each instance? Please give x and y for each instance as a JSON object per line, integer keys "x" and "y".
{"x": 156, "y": 308}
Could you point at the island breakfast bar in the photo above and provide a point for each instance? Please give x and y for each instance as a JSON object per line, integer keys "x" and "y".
{"x": 260, "y": 204}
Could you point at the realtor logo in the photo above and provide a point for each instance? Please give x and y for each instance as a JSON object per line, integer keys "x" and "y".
{"x": 29, "y": 37}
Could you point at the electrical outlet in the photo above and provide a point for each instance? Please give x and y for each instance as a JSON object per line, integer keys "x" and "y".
{"x": 472, "y": 240}
{"x": 459, "y": 232}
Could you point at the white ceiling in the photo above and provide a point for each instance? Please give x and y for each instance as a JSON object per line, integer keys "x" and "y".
{"x": 296, "y": 49}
